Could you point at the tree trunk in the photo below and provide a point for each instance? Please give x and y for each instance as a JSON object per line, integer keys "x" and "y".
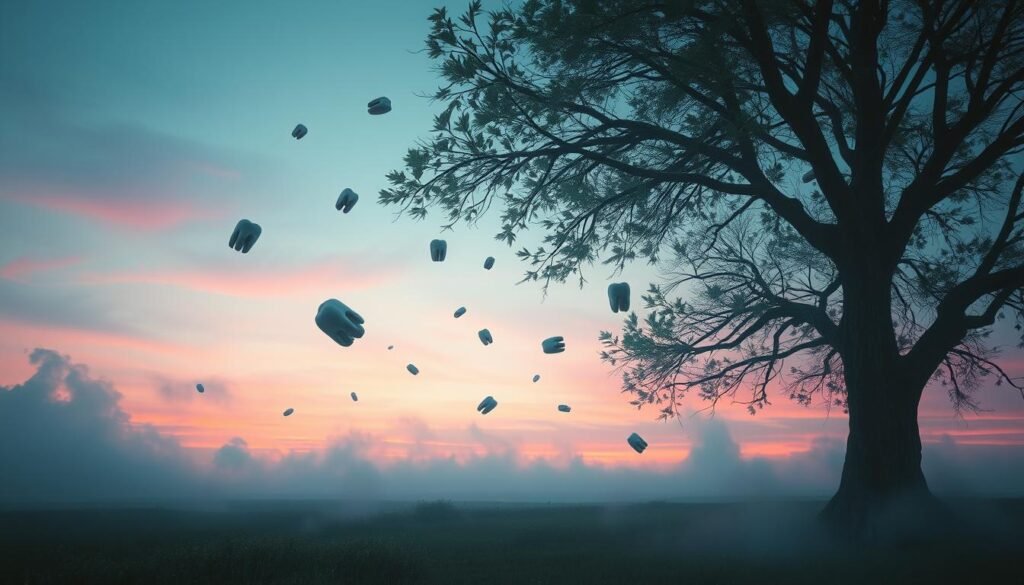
{"x": 882, "y": 492}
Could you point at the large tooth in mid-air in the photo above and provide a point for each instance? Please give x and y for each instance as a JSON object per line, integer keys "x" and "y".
{"x": 536, "y": 378}
{"x": 487, "y": 405}
{"x": 339, "y": 322}
{"x": 637, "y": 443}
{"x": 618, "y": 296}
{"x": 489, "y": 263}
{"x": 412, "y": 369}
{"x": 460, "y": 312}
{"x": 355, "y": 398}
{"x": 381, "y": 105}
{"x": 244, "y": 237}
{"x": 200, "y": 389}
{"x": 289, "y": 412}
{"x": 553, "y": 344}
{"x": 299, "y": 132}
{"x": 564, "y": 408}
{"x": 346, "y": 201}
{"x": 485, "y": 337}
{"x": 438, "y": 250}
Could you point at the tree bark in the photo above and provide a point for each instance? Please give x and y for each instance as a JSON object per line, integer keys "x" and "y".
{"x": 882, "y": 491}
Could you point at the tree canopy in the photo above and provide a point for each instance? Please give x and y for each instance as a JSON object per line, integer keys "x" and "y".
{"x": 777, "y": 157}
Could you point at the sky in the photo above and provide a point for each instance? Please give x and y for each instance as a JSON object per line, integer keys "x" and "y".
{"x": 135, "y": 135}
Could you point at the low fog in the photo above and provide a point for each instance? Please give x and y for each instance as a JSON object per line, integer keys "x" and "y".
{"x": 65, "y": 438}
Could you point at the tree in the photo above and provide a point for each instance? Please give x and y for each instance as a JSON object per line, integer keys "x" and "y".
{"x": 831, "y": 185}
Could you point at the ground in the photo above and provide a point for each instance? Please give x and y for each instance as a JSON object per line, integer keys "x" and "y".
{"x": 353, "y": 543}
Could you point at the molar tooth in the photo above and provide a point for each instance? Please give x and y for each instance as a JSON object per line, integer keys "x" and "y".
{"x": 618, "y": 296}
{"x": 376, "y": 107}
{"x": 487, "y": 405}
{"x": 347, "y": 200}
{"x": 553, "y": 344}
{"x": 339, "y": 322}
{"x": 438, "y": 250}
{"x": 637, "y": 443}
{"x": 244, "y": 236}
{"x": 485, "y": 337}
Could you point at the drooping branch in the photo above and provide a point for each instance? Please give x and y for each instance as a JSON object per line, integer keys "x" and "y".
{"x": 582, "y": 131}
{"x": 779, "y": 150}
{"x": 763, "y": 303}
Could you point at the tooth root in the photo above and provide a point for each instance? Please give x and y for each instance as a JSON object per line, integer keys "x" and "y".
{"x": 354, "y": 317}
{"x": 353, "y": 329}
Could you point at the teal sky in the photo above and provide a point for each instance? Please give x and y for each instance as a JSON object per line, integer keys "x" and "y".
{"x": 133, "y": 135}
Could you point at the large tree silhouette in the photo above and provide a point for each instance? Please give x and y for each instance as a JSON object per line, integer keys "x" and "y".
{"x": 831, "y": 186}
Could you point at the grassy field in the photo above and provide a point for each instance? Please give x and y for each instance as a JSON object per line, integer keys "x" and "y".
{"x": 340, "y": 543}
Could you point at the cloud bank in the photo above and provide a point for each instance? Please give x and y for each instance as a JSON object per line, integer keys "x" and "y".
{"x": 64, "y": 437}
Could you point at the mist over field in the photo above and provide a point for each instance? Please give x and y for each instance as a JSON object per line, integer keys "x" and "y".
{"x": 63, "y": 421}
